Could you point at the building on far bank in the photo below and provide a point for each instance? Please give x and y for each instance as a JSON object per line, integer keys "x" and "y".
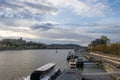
{"x": 2, "y": 45}
{"x": 105, "y": 40}
{"x": 102, "y": 41}
{"x": 14, "y": 41}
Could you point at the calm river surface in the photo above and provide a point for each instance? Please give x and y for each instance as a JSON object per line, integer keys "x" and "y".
{"x": 15, "y": 64}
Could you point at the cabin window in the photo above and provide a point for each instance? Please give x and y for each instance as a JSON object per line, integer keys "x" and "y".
{"x": 36, "y": 75}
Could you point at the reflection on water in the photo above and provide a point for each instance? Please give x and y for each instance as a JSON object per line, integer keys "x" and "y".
{"x": 20, "y": 63}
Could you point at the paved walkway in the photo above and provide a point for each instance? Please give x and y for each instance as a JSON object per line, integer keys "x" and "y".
{"x": 91, "y": 71}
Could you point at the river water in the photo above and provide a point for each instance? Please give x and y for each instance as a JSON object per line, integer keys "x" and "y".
{"x": 15, "y": 64}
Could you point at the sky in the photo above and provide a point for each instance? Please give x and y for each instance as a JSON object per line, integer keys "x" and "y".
{"x": 60, "y": 21}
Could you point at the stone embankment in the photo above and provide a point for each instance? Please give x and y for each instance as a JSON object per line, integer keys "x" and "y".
{"x": 108, "y": 63}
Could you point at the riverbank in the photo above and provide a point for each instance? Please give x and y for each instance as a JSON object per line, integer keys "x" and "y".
{"x": 110, "y": 69}
{"x": 108, "y": 63}
{"x": 106, "y": 54}
{"x": 94, "y": 71}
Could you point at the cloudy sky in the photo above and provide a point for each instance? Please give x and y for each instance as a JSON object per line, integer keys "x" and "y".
{"x": 60, "y": 21}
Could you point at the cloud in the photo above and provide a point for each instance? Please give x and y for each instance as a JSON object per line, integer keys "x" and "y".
{"x": 25, "y": 9}
{"x": 42, "y": 26}
{"x": 58, "y": 33}
{"x": 19, "y": 29}
{"x": 86, "y": 8}
{"x": 106, "y": 29}
{"x": 10, "y": 34}
{"x": 62, "y": 33}
{"x": 41, "y": 20}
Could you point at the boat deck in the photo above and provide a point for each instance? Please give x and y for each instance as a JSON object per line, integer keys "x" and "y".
{"x": 50, "y": 73}
{"x": 70, "y": 74}
{"x": 46, "y": 67}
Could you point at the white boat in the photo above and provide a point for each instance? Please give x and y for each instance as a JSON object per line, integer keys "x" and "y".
{"x": 47, "y": 72}
{"x": 72, "y": 63}
{"x": 75, "y": 63}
